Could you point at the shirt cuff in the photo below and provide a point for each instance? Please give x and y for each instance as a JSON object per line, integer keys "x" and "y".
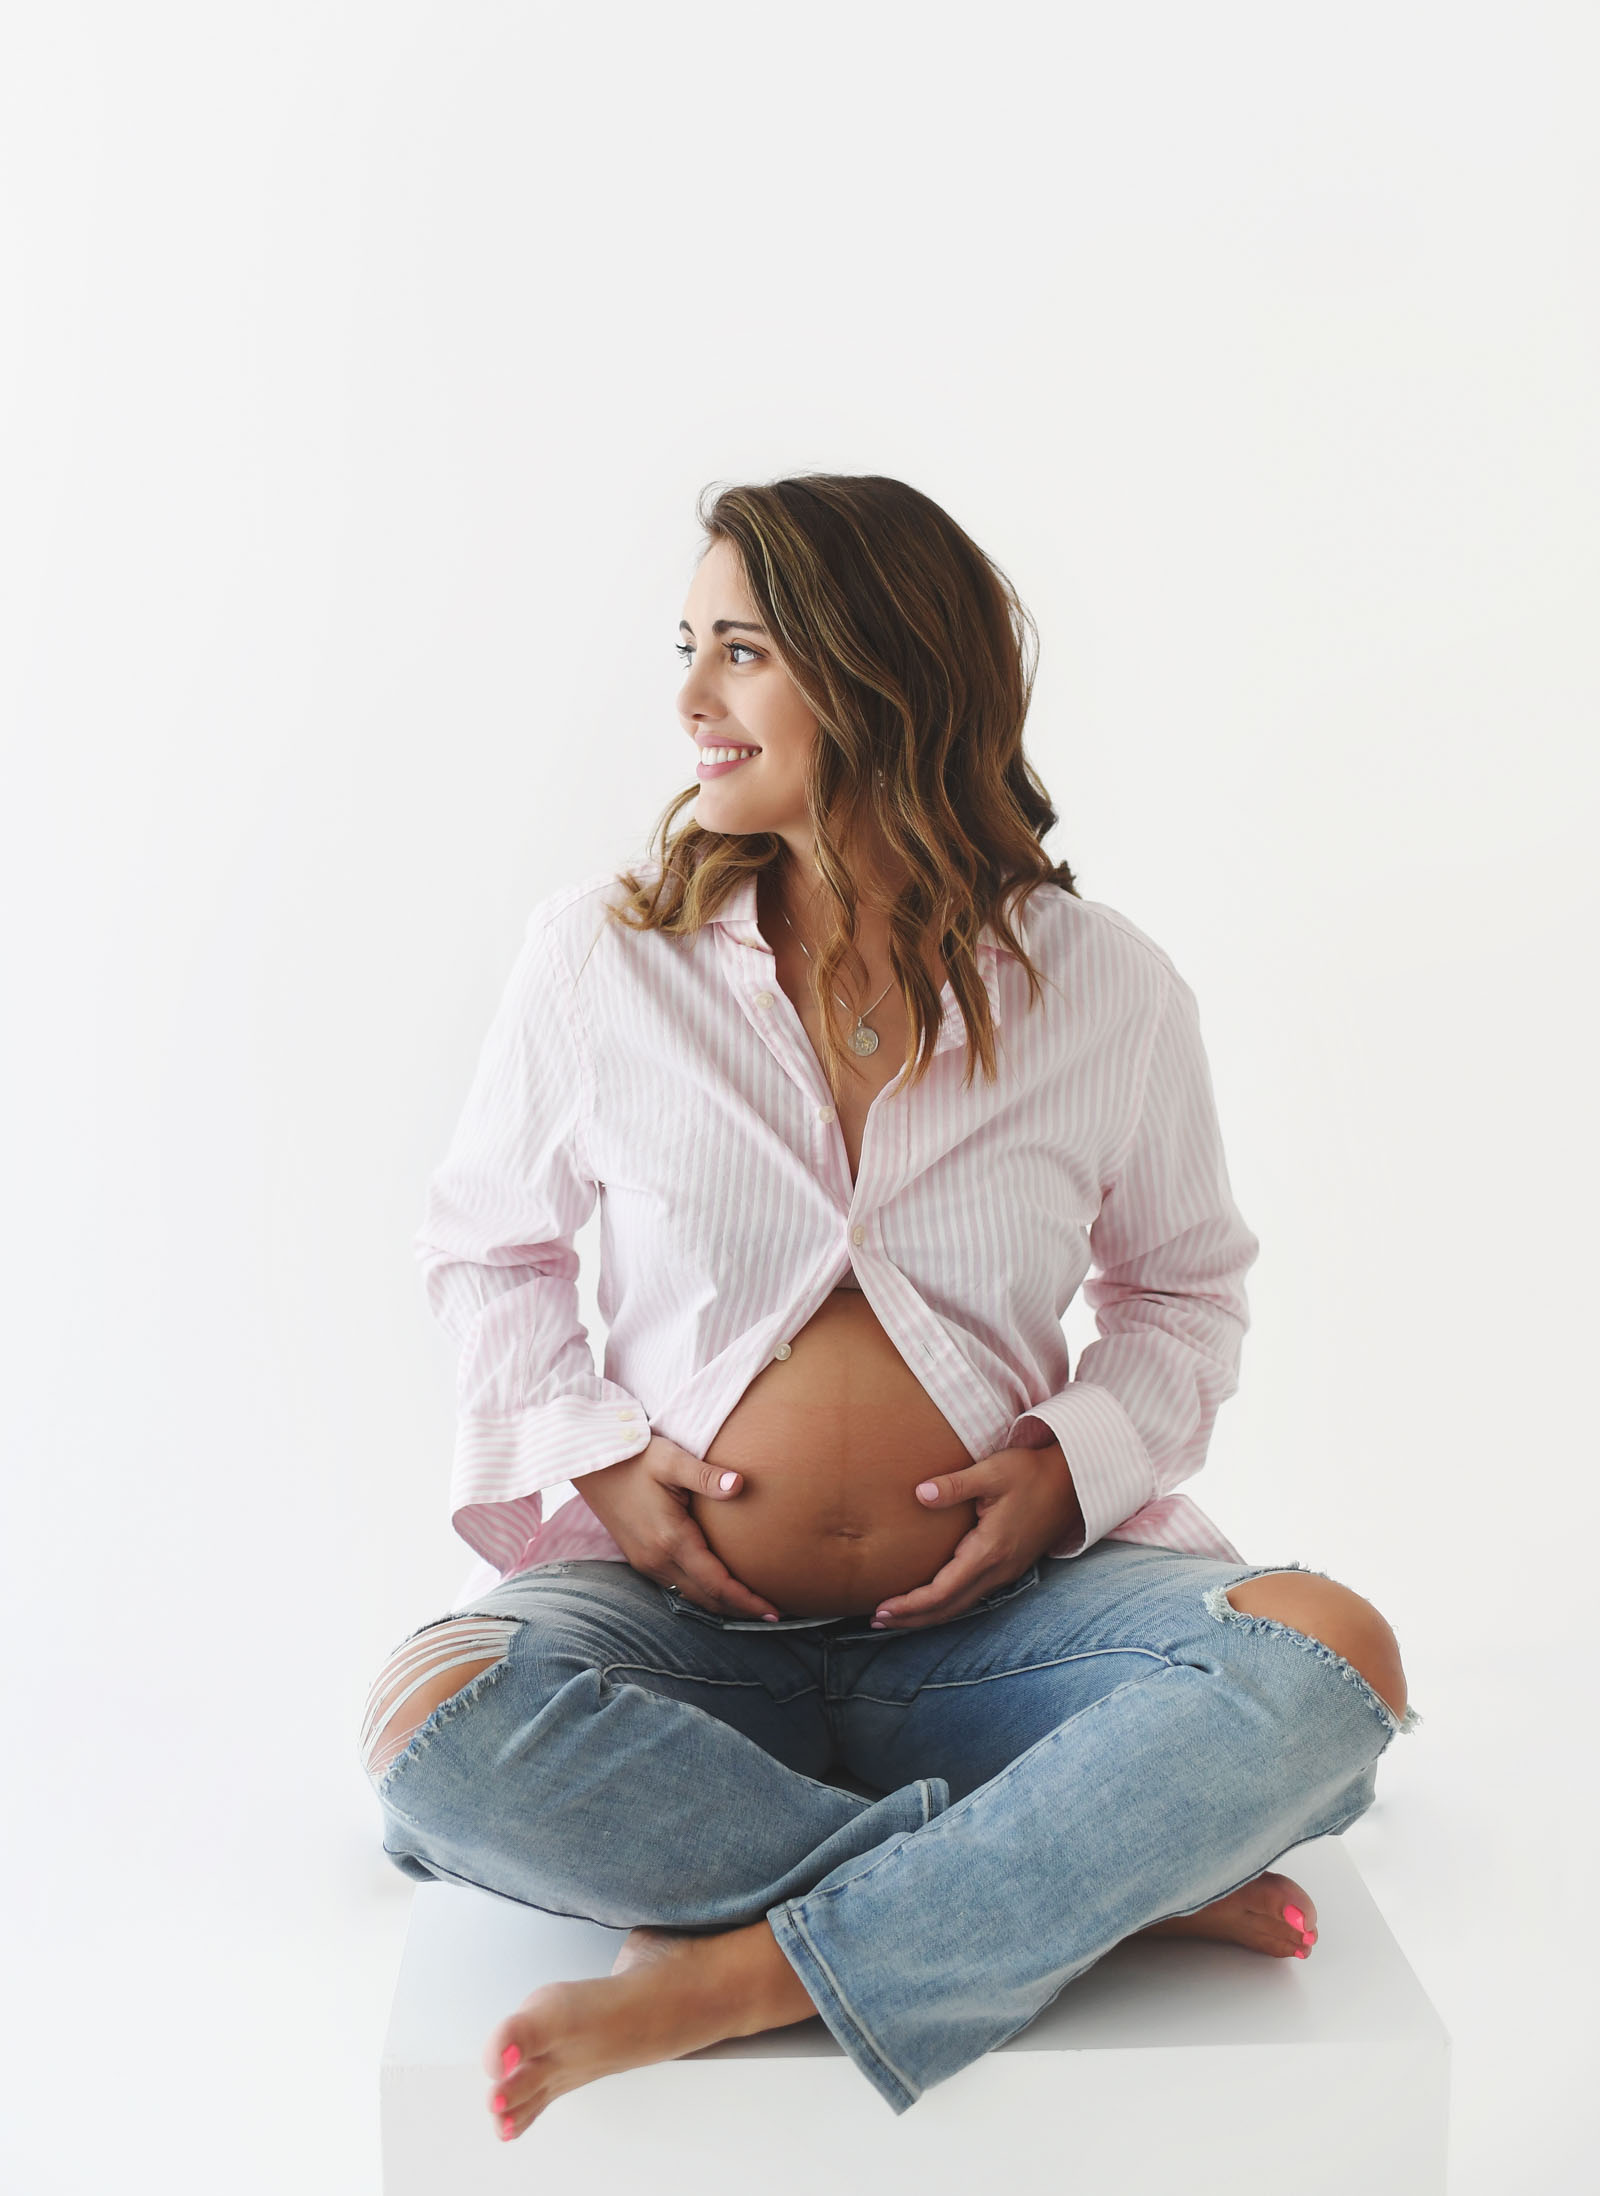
{"x": 1111, "y": 1469}
{"x": 501, "y": 1464}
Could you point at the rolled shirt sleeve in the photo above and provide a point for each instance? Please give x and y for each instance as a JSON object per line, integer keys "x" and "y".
{"x": 1170, "y": 1251}
{"x": 500, "y": 1272}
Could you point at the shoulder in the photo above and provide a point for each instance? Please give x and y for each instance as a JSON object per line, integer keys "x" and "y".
{"x": 573, "y": 906}
{"x": 572, "y": 902}
{"x": 577, "y": 917}
{"x": 1088, "y": 943}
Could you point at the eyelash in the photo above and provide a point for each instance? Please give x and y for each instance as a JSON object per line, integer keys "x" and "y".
{"x": 685, "y": 649}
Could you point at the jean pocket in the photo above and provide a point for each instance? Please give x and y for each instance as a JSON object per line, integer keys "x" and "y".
{"x": 1009, "y": 1592}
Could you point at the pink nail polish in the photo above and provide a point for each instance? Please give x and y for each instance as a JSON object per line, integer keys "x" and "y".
{"x": 928, "y": 1491}
{"x": 505, "y": 2129}
{"x": 1302, "y": 1954}
{"x": 727, "y": 1480}
{"x": 1293, "y": 1916}
{"x": 770, "y": 1617}
{"x": 497, "y": 2104}
{"x": 510, "y": 2058}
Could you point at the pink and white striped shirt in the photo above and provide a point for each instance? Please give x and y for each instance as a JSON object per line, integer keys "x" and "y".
{"x": 673, "y": 1079}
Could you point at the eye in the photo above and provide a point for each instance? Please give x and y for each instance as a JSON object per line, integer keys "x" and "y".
{"x": 685, "y": 650}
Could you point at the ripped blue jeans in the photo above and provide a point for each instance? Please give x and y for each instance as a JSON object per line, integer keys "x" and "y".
{"x": 1098, "y": 1745}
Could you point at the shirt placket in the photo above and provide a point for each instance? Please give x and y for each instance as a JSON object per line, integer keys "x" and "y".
{"x": 751, "y": 969}
{"x": 753, "y": 974}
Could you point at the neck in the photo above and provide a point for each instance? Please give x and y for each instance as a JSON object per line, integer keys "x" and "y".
{"x": 780, "y": 899}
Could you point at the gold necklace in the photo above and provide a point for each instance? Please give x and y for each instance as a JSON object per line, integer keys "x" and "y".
{"x": 861, "y": 1039}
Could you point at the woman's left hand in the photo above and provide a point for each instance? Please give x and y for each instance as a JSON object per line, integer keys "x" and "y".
{"x": 1026, "y": 1504}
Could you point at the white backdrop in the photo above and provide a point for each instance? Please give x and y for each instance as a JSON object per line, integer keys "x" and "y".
{"x": 361, "y": 367}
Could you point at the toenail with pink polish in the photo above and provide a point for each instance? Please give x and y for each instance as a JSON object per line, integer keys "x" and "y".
{"x": 1293, "y": 1916}
{"x": 1302, "y": 1954}
{"x": 510, "y": 2058}
{"x": 497, "y": 2104}
{"x": 505, "y": 2129}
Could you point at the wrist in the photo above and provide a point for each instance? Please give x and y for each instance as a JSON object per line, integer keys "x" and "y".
{"x": 586, "y": 1483}
{"x": 1070, "y": 1526}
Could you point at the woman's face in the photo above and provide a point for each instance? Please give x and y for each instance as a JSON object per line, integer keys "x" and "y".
{"x": 738, "y": 694}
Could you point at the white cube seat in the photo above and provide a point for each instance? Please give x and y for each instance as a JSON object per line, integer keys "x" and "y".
{"x": 1170, "y": 2065}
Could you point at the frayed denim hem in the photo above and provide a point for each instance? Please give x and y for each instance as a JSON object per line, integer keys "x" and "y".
{"x": 1219, "y": 1606}
{"x": 428, "y": 1730}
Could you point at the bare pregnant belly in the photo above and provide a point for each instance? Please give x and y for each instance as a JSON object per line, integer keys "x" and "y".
{"x": 832, "y": 1441}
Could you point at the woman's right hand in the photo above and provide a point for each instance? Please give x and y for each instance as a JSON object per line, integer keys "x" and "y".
{"x": 643, "y": 1503}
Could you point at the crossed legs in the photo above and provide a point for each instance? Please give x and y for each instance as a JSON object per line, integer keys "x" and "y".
{"x": 672, "y": 1991}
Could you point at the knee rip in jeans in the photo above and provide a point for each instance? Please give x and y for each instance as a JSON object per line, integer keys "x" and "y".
{"x": 1318, "y": 1613}
{"x": 413, "y": 1682}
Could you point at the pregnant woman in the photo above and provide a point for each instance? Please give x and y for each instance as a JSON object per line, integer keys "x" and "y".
{"x": 876, "y": 1670}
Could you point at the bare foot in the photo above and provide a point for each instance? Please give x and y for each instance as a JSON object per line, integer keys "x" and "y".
{"x": 669, "y": 1991}
{"x": 672, "y": 1991}
{"x": 1272, "y": 1914}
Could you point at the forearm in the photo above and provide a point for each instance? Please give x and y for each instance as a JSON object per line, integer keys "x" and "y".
{"x": 1052, "y": 1459}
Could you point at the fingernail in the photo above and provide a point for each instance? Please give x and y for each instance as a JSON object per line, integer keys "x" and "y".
{"x": 497, "y": 2104}
{"x": 510, "y": 2058}
{"x": 879, "y": 1620}
{"x": 1293, "y": 1916}
{"x": 727, "y": 1480}
{"x": 928, "y": 1491}
{"x": 769, "y": 1616}
{"x": 505, "y": 2129}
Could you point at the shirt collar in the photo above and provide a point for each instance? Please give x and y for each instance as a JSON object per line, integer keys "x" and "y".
{"x": 737, "y": 917}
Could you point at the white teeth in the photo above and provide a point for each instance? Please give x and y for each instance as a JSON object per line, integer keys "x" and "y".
{"x": 726, "y": 754}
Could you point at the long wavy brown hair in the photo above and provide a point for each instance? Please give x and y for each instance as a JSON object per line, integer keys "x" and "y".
{"x": 911, "y": 648}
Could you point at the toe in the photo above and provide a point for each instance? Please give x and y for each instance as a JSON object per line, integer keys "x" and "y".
{"x": 502, "y": 2054}
{"x": 519, "y": 2115}
{"x": 522, "y": 2036}
{"x": 1299, "y": 1913}
{"x": 519, "y": 2095}
{"x": 515, "y": 2090}
{"x": 507, "y": 2048}
{"x": 1282, "y": 1916}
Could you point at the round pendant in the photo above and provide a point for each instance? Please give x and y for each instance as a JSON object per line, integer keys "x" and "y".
{"x": 863, "y": 1039}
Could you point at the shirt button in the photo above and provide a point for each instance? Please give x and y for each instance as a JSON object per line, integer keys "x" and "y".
{"x": 782, "y": 1350}
{"x": 858, "y": 1235}
{"x": 763, "y": 998}
{"x": 628, "y": 1414}
{"x": 824, "y": 1113}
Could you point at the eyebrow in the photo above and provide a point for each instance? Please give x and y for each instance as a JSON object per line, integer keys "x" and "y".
{"x": 726, "y": 625}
